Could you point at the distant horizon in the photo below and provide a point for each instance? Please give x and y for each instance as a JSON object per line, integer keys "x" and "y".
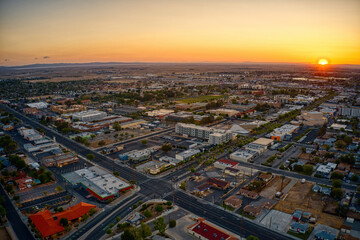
{"x": 144, "y": 62}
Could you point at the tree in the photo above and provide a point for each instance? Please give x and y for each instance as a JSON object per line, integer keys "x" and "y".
{"x": 298, "y": 168}
{"x": 336, "y": 183}
{"x": 108, "y": 231}
{"x": 147, "y": 214}
{"x": 101, "y": 143}
{"x": 160, "y": 225}
{"x": 336, "y": 175}
{"x": 166, "y": 147}
{"x": 116, "y": 173}
{"x": 45, "y": 193}
{"x": 337, "y": 193}
{"x": 327, "y": 147}
{"x": 117, "y": 126}
{"x": 2, "y": 211}
{"x": 144, "y": 230}
{"x": 90, "y": 156}
{"x": 308, "y": 169}
{"x": 355, "y": 178}
{"x": 127, "y": 235}
{"x": 172, "y": 223}
{"x": 58, "y": 188}
{"x": 144, "y": 141}
{"x": 340, "y": 144}
{"x": 64, "y": 222}
{"x": 251, "y": 237}
{"x": 159, "y": 208}
{"x": 303, "y": 149}
{"x": 16, "y": 198}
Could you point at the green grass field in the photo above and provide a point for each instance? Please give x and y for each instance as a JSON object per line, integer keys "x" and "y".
{"x": 204, "y": 98}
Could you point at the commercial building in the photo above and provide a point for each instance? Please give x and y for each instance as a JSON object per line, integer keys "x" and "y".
{"x": 170, "y": 160}
{"x": 49, "y": 224}
{"x": 183, "y": 156}
{"x": 96, "y": 181}
{"x": 60, "y": 160}
{"x": 224, "y": 163}
{"x": 38, "y": 105}
{"x": 214, "y": 136}
{"x": 337, "y": 126}
{"x": 159, "y": 113}
{"x": 260, "y": 149}
{"x": 206, "y": 231}
{"x": 138, "y": 155}
{"x": 224, "y": 111}
{"x": 157, "y": 168}
{"x": 63, "y": 109}
{"x": 264, "y": 141}
{"x": 88, "y": 116}
{"x": 243, "y": 155}
{"x": 312, "y": 118}
{"x": 280, "y": 133}
{"x": 350, "y": 111}
{"x": 30, "y": 134}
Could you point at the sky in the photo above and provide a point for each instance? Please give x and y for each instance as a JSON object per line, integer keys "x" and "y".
{"x": 71, "y": 31}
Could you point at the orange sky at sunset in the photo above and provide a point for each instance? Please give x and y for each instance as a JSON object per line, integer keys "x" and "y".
{"x": 41, "y": 31}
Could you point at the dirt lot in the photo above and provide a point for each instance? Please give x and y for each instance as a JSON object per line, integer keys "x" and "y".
{"x": 300, "y": 197}
{"x": 274, "y": 186}
{"x": 3, "y": 234}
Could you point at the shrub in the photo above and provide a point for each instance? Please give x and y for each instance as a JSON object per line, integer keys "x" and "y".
{"x": 147, "y": 214}
{"x": 159, "y": 208}
{"x": 172, "y": 223}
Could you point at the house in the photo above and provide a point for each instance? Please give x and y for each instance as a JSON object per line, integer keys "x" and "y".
{"x": 248, "y": 194}
{"x": 299, "y": 227}
{"x": 323, "y": 235}
{"x": 297, "y": 215}
{"x": 252, "y": 211}
{"x": 233, "y": 202}
{"x": 48, "y": 223}
{"x": 24, "y": 183}
{"x": 266, "y": 177}
{"x": 218, "y": 183}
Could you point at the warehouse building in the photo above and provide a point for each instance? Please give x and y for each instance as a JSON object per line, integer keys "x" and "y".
{"x": 243, "y": 155}
{"x": 183, "y": 156}
{"x": 98, "y": 182}
{"x": 88, "y": 116}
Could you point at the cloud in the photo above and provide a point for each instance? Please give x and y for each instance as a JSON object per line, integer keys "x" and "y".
{"x": 45, "y": 57}
{"x": 6, "y": 60}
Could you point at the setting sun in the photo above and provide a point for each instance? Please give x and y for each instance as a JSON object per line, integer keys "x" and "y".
{"x": 323, "y": 61}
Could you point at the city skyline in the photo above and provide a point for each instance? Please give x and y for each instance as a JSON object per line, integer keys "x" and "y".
{"x": 161, "y": 31}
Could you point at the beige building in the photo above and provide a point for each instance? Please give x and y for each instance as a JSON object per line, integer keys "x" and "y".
{"x": 312, "y": 118}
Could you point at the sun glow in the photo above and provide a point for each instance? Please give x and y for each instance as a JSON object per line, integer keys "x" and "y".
{"x": 323, "y": 61}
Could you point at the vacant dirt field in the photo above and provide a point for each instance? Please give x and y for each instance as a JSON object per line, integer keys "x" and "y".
{"x": 3, "y": 234}
{"x": 300, "y": 197}
{"x": 273, "y": 187}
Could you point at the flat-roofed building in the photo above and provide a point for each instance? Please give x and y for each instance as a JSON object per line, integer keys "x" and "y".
{"x": 88, "y": 116}
{"x": 243, "y": 155}
{"x": 183, "y": 156}
{"x": 264, "y": 141}
{"x": 98, "y": 182}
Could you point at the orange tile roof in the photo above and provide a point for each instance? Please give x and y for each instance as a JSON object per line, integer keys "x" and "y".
{"x": 46, "y": 225}
{"x": 49, "y": 224}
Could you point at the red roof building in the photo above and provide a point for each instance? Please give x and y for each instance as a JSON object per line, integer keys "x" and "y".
{"x": 49, "y": 224}
{"x": 203, "y": 230}
{"x": 218, "y": 183}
